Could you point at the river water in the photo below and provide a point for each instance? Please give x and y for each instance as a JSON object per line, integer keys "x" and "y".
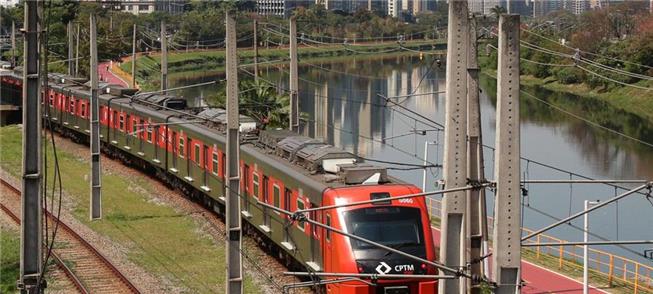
{"x": 341, "y": 104}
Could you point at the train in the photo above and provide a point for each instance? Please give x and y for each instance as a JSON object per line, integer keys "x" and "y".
{"x": 185, "y": 148}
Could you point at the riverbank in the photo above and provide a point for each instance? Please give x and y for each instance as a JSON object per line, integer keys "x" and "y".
{"x": 628, "y": 99}
{"x": 181, "y": 63}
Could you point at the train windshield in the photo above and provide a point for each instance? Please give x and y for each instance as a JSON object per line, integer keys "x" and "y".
{"x": 389, "y": 225}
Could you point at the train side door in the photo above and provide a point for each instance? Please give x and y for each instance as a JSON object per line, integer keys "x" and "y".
{"x": 286, "y": 205}
{"x": 327, "y": 242}
{"x": 224, "y": 175}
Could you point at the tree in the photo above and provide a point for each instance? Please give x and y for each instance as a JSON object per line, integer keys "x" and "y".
{"x": 498, "y": 11}
{"x": 260, "y": 101}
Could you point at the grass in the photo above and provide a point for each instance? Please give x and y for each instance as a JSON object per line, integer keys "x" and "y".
{"x": 161, "y": 240}
{"x": 181, "y": 63}
{"x": 9, "y": 260}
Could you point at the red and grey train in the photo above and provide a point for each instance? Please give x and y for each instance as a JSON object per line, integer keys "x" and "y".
{"x": 185, "y": 147}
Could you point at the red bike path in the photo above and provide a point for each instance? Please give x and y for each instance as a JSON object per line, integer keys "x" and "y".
{"x": 538, "y": 279}
{"x": 106, "y": 75}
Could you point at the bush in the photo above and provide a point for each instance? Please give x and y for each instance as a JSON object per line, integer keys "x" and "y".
{"x": 568, "y": 75}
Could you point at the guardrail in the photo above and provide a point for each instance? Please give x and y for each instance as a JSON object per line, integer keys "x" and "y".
{"x": 613, "y": 269}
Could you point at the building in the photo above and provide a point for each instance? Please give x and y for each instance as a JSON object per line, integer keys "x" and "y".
{"x": 281, "y": 8}
{"x": 484, "y": 7}
{"x": 8, "y": 3}
{"x": 146, "y": 6}
{"x": 394, "y": 8}
{"x": 544, "y": 7}
{"x": 397, "y": 7}
{"x": 476, "y": 6}
{"x": 577, "y": 7}
{"x": 598, "y": 4}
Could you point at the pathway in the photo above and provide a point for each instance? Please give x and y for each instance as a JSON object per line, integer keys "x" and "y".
{"x": 542, "y": 280}
{"x": 106, "y": 75}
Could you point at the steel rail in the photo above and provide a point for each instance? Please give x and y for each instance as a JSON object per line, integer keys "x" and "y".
{"x": 84, "y": 243}
{"x": 66, "y": 270}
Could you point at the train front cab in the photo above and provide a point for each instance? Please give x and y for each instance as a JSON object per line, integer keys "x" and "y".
{"x": 403, "y": 224}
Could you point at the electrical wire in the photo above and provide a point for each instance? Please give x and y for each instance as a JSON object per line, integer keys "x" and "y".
{"x": 57, "y": 172}
{"x": 613, "y": 80}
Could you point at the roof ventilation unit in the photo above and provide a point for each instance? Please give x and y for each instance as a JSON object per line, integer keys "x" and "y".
{"x": 362, "y": 173}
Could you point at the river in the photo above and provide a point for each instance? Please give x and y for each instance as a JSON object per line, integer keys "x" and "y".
{"x": 342, "y": 105}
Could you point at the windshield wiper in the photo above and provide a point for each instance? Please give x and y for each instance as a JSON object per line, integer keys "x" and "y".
{"x": 398, "y": 246}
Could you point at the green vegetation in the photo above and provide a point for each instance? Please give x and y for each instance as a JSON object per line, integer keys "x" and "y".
{"x": 158, "y": 238}
{"x": 9, "y": 260}
{"x": 621, "y": 35}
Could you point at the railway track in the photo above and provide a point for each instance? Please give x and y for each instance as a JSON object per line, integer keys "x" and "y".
{"x": 91, "y": 272}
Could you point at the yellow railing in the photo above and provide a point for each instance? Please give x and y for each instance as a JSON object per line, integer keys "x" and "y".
{"x": 613, "y": 268}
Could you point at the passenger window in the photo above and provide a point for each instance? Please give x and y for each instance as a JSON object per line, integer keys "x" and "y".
{"x": 181, "y": 146}
{"x": 215, "y": 163}
{"x": 255, "y": 185}
{"x": 300, "y": 206}
{"x": 198, "y": 155}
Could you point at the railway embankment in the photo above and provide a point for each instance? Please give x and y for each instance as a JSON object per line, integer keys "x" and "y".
{"x": 165, "y": 243}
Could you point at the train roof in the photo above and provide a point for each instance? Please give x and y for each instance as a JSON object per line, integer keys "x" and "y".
{"x": 314, "y": 158}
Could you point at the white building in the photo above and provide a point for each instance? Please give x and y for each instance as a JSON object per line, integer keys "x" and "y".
{"x": 578, "y": 7}
{"x": 144, "y": 6}
{"x": 394, "y": 8}
{"x": 282, "y": 8}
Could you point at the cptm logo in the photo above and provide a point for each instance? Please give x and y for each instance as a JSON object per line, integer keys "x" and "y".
{"x": 383, "y": 268}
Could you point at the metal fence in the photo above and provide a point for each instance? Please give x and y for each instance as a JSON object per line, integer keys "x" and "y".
{"x": 607, "y": 267}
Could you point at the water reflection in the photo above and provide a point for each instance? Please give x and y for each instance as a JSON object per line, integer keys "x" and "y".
{"x": 342, "y": 105}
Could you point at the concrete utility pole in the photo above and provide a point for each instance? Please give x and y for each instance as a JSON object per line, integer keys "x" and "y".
{"x": 31, "y": 210}
{"x": 256, "y": 50}
{"x": 164, "y": 58}
{"x": 294, "y": 77}
{"x": 506, "y": 244}
{"x": 77, "y": 51}
{"x": 13, "y": 44}
{"x": 96, "y": 197}
{"x": 453, "y": 250}
{"x": 71, "y": 62}
{"x": 477, "y": 218}
{"x": 233, "y": 220}
{"x": 134, "y": 58}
